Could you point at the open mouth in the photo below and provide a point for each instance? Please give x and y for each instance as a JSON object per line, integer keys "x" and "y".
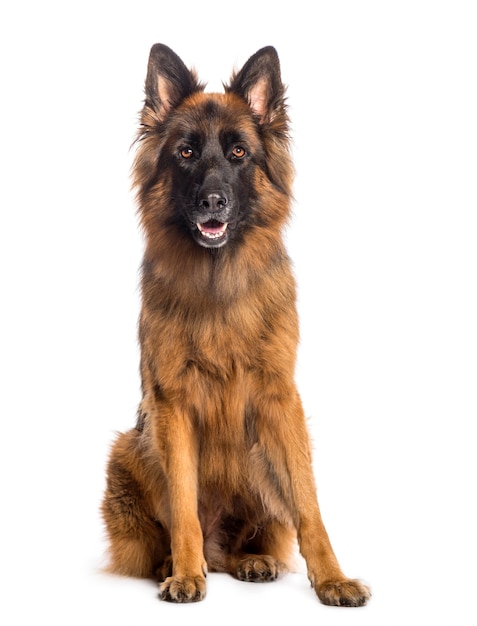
{"x": 212, "y": 230}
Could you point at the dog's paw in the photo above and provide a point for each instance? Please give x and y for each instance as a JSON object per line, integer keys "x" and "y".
{"x": 259, "y": 569}
{"x": 343, "y": 593}
{"x": 182, "y": 589}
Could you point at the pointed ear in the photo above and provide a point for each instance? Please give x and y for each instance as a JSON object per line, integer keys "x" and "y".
{"x": 168, "y": 81}
{"x": 259, "y": 82}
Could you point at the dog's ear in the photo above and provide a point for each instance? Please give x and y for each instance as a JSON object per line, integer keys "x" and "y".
{"x": 260, "y": 83}
{"x": 168, "y": 81}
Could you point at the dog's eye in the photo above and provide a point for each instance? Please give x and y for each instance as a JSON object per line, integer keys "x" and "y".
{"x": 186, "y": 152}
{"x": 238, "y": 152}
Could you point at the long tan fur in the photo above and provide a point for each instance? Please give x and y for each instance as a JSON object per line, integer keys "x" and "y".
{"x": 217, "y": 475}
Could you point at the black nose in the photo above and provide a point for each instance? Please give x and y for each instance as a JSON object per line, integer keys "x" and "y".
{"x": 214, "y": 201}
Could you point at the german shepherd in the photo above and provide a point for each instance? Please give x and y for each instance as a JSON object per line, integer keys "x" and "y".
{"x": 217, "y": 475}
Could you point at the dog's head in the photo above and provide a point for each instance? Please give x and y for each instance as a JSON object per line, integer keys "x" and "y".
{"x": 206, "y": 160}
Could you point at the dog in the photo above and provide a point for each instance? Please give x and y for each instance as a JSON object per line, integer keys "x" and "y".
{"x": 217, "y": 474}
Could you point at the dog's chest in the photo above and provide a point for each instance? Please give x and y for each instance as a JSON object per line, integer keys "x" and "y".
{"x": 225, "y": 437}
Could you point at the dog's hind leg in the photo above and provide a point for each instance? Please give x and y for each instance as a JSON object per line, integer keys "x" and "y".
{"x": 138, "y": 545}
{"x": 266, "y": 554}
{"x": 255, "y": 554}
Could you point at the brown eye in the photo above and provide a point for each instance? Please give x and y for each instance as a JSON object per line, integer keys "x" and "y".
{"x": 238, "y": 152}
{"x": 186, "y": 152}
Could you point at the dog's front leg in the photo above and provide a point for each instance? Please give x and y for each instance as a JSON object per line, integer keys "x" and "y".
{"x": 284, "y": 441}
{"x": 175, "y": 439}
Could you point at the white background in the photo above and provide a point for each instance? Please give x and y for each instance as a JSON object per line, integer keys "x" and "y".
{"x": 383, "y": 101}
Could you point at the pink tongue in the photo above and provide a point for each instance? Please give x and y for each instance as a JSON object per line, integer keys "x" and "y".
{"x": 212, "y": 227}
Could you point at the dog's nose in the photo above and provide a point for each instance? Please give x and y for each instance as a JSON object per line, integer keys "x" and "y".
{"x": 213, "y": 201}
